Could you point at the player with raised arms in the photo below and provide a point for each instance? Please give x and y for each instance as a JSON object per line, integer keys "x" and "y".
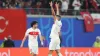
{"x": 55, "y": 31}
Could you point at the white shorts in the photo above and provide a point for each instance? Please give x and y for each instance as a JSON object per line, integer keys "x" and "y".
{"x": 33, "y": 49}
{"x": 54, "y": 44}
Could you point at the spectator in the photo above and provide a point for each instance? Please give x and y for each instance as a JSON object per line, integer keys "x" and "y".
{"x": 98, "y": 3}
{"x": 18, "y": 4}
{"x": 6, "y": 3}
{"x": 9, "y": 42}
{"x": 97, "y": 42}
{"x": 64, "y": 6}
{"x": 2, "y": 45}
{"x": 38, "y": 5}
{"x": 76, "y": 4}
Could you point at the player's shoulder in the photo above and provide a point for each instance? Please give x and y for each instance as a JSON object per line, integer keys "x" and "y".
{"x": 38, "y": 29}
{"x": 29, "y": 29}
{"x": 58, "y": 21}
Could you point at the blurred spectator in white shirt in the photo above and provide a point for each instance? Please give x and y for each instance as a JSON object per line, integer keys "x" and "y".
{"x": 76, "y": 4}
{"x": 64, "y": 6}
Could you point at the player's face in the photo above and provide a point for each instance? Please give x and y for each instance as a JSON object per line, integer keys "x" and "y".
{"x": 36, "y": 25}
{"x": 58, "y": 18}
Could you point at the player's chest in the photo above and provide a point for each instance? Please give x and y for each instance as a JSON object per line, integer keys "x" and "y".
{"x": 34, "y": 32}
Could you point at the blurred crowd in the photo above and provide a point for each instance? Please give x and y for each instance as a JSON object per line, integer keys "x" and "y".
{"x": 67, "y": 7}
{"x": 45, "y": 3}
{"x": 23, "y": 3}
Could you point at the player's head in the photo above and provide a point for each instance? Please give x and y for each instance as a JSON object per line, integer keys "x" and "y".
{"x": 34, "y": 24}
{"x": 58, "y": 17}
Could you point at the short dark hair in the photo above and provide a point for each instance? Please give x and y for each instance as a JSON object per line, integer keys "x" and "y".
{"x": 58, "y": 16}
{"x": 33, "y": 23}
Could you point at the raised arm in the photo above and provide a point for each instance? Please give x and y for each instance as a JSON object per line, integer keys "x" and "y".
{"x": 52, "y": 10}
{"x": 57, "y": 9}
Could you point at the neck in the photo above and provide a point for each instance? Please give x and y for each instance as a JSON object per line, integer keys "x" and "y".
{"x": 58, "y": 19}
{"x": 34, "y": 27}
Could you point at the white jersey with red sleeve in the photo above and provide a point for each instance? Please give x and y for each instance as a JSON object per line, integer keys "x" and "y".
{"x": 33, "y": 36}
{"x": 56, "y": 29}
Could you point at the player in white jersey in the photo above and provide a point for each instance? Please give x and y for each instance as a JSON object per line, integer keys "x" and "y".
{"x": 32, "y": 34}
{"x": 55, "y": 32}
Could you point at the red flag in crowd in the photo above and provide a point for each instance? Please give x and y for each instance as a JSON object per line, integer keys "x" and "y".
{"x": 12, "y": 22}
{"x": 88, "y": 21}
{"x": 93, "y": 2}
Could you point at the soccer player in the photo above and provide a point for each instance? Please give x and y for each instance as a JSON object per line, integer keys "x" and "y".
{"x": 55, "y": 31}
{"x": 32, "y": 34}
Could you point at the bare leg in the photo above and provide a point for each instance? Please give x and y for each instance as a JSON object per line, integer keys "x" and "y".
{"x": 32, "y": 54}
{"x": 58, "y": 52}
{"x": 50, "y": 53}
{"x": 35, "y": 54}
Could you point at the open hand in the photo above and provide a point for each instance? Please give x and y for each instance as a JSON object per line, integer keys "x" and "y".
{"x": 57, "y": 5}
{"x": 51, "y": 4}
